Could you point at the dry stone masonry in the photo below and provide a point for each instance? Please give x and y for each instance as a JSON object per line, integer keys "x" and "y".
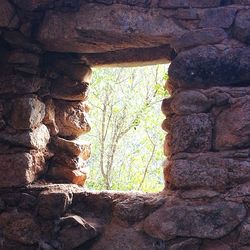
{"x": 47, "y": 49}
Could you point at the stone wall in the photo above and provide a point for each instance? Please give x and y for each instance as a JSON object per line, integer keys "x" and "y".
{"x": 47, "y": 50}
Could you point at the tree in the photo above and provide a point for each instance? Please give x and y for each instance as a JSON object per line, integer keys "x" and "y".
{"x": 126, "y": 136}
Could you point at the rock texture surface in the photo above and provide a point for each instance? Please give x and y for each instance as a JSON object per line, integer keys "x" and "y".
{"x": 47, "y": 50}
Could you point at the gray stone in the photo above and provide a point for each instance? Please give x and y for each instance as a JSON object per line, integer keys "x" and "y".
{"x": 222, "y": 17}
{"x": 188, "y": 3}
{"x": 244, "y": 237}
{"x": 199, "y": 37}
{"x": 241, "y": 28}
{"x": 213, "y": 220}
{"x": 206, "y": 66}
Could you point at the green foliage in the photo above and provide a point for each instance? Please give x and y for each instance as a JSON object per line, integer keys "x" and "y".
{"x": 126, "y": 134}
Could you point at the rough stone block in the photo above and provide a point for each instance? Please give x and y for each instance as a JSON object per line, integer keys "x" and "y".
{"x": 78, "y": 32}
{"x": 20, "y": 227}
{"x": 190, "y": 133}
{"x": 75, "y": 231}
{"x": 241, "y": 29}
{"x": 207, "y": 36}
{"x": 71, "y": 90}
{"x": 74, "y": 147}
{"x": 23, "y": 58}
{"x": 193, "y": 220}
{"x": 188, "y": 3}
{"x": 222, "y": 17}
{"x": 52, "y": 204}
{"x": 189, "y": 102}
{"x": 216, "y": 171}
{"x": 71, "y": 119}
{"x": 20, "y": 169}
{"x": 64, "y": 160}
{"x": 77, "y": 176}
{"x": 232, "y": 129}
{"x": 32, "y": 5}
{"x": 6, "y": 13}
{"x": 13, "y": 84}
{"x": 36, "y": 139}
{"x": 27, "y": 113}
{"x": 206, "y": 66}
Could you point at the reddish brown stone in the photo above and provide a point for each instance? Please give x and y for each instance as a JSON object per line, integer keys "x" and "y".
{"x": 12, "y": 84}
{"x": 20, "y": 169}
{"x": 53, "y": 203}
{"x": 35, "y": 139}
{"x": 75, "y": 231}
{"x": 66, "y": 89}
{"x": 71, "y": 119}
{"x": 27, "y": 113}
{"x": 232, "y": 128}
{"x": 20, "y": 227}
{"x": 189, "y": 133}
{"x": 74, "y": 147}
{"x": 190, "y": 101}
{"x": 78, "y": 176}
